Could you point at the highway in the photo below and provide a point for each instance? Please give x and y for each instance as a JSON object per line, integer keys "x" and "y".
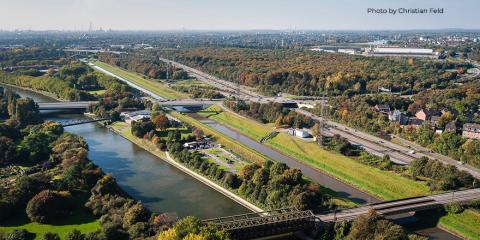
{"x": 372, "y": 144}
{"x": 403, "y": 205}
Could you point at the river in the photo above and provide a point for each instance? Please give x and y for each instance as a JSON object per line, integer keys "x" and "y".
{"x": 162, "y": 187}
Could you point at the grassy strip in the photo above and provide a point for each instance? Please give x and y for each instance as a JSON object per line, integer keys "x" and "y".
{"x": 387, "y": 185}
{"x": 158, "y": 88}
{"x": 466, "y": 224}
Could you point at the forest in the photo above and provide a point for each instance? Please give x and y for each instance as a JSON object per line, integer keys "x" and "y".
{"x": 308, "y": 73}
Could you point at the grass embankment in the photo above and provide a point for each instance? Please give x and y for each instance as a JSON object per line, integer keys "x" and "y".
{"x": 466, "y": 224}
{"x": 387, "y": 185}
{"x": 124, "y": 130}
{"x": 156, "y": 87}
{"x": 384, "y": 184}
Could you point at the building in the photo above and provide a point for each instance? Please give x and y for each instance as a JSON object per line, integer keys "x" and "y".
{"x": 383, "y": 108}
{"x": 398, "y": 117}
{"x": 471, "y": 130}
{"x": 130, "y": 117}
{"x": 401, "y": 52}
{"x": 301, "y": 133}
{"x": 427, "y": 114}
{"x": 415, "y": 122}
{"x": 451, "y": 127}
{"x": 347, "y": 51}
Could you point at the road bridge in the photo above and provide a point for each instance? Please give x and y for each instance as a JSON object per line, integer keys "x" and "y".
{"x": 64, "y": 105}
{"x": 262, "y": 224}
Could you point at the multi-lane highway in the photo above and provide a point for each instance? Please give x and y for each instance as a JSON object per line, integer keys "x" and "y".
{"x": 372, "y": 144}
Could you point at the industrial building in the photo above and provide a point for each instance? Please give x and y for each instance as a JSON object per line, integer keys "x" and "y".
{"x": 401, "y": 52}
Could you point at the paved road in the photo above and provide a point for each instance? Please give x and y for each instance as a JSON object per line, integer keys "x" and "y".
{"x": 403, "y": 205}
{"x": 372, "y": 144}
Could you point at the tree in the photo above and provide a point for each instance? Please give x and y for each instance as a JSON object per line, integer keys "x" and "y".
{"x": 26, "y": 112}
{"x": 198, "y": 133}
{"x": 371, "y": 226}
{"x": 21, "y": 234}
{"x": 161, "y": 121}
{"x": 136, "y": 213}
{"x": 49, "y": 205}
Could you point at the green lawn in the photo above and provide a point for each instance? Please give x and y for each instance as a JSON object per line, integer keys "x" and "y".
{"x": 97, "y": 92}
{"x": 156, "y": 87}
{"x": 387, "y": 185}
{"x": 80, "y": 219}
{"x": 466, "y": 224}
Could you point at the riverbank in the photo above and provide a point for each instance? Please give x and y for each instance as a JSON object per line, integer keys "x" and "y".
{"x": 124, "y": 130}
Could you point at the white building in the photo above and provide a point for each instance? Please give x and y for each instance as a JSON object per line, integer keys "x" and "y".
{"x": 301, "y": 133}
{"x": 396, "y": 51}
{"x": 347, "y": 51}
{"x": 130, "y": 117}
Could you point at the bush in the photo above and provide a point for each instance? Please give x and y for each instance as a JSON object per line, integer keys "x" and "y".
{"x": 51, "y": 236}
{"x": 49, "y": 205}
{"x": 137, "y": 213}
{"x": 19, "y": 235}
{"x": 75, "y": 235}
{"x": 453, "y": 208}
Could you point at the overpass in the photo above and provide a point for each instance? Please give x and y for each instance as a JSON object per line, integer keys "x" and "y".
{"x": 262, "y": 224}
{"x": 65, "y": 105}
{"x": 84, "y": 104}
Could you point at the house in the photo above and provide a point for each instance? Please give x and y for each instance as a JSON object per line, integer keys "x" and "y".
{"x": 398, "y": 117}
{"x": 130, "y": 117}
{"x": 471, "y": 130}
{"x": 427, "y": 114}
{"x": 382, "y": 108}
{"x": 301, "y": 133}
{"x": 415, "y": 122}
{"x": 451, "y": 127}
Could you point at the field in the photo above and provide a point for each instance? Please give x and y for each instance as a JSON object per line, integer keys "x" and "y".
{"x": 156, "y": 87}
{"x": 388, "y": 185}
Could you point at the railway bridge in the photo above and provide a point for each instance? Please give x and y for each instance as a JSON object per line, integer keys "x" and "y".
{"x": 270, "y": 223}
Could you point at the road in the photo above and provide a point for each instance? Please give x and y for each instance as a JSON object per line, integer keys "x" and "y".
{"x": 403, "y": 205}
{"x": 372, "y": 144}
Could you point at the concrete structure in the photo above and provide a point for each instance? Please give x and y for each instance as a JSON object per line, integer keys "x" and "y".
{"x": 64, "y": 105}
{"x": 301, "y": 133}
{"x": 471, "y": 130}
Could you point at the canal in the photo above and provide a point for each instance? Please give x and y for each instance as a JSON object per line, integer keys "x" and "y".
{"x": 160, "y": 186}
{"x": 163, "y": 188}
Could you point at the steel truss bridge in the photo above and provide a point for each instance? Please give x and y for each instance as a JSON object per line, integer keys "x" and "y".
{"x": 254, "y": 225}
{"x": 275, "y": 222}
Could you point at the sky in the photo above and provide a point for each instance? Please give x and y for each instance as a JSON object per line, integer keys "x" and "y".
{"x": 233, "y": 14}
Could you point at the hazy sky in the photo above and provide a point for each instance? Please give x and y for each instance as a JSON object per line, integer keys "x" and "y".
{"x": 232, "y": 15}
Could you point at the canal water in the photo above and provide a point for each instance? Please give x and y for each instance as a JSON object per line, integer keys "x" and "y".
{"x": 163, "y": 188}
